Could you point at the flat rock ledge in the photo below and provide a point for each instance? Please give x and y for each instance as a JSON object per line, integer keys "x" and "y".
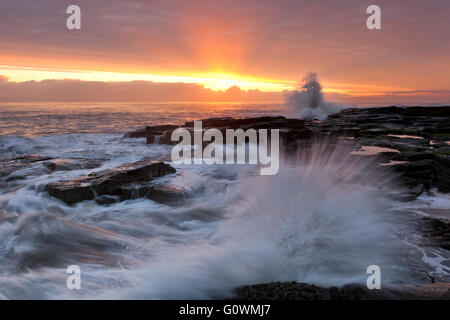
{"x": 128, "y": 181}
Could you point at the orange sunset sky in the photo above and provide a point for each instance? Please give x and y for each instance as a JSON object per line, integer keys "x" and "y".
{"x": 198, "y": 50}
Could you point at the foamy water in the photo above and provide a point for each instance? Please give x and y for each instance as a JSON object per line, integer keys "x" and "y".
{"x": 323, "y": 219}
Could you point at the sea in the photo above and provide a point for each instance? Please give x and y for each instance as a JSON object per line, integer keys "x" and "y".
{"x": 323, "y": 221}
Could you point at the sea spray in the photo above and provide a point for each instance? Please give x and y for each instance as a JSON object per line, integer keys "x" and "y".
{"x": 308, "y": 102}
{"x": 320, "y": 220}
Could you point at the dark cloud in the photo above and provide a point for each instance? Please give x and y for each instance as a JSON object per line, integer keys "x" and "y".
{"x": 146, "y": 91}
{"x": 76, "y": 90}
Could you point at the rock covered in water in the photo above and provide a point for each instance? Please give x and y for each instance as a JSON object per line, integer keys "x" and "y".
{"x": 9, "y": 166}
{"x": 127, "y": 181}
{"x": 30, "y": 165}
{"x": 70, "y": 164}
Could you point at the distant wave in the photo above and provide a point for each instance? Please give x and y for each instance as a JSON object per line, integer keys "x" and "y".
{"x": 309, "y": 102}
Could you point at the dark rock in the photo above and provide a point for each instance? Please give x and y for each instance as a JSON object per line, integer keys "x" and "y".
{"x": 127, "y": 181}
{"x": 153, "y": 134}
{"x": 303, "y": 291}
{"x": 427, "y": 291}
{"x": 70, "y": 164}
{"x": 442, "y": 178}
{"x": 291, "y": 130}
{"x": 427, "y": 153}
{"x": 421, "y": 121}
{"x": 437, "y": 231}
{"x": 30, "y": 165}
{"x": 9, "y": 166}
{"x": 420, "y": 172}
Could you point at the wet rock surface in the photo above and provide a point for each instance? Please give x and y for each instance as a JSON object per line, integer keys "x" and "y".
{"x": 29, "y": 165}
{"x": 437, "y": 231}
{"x": 303, "y": 291}
{"x": 70, "y": 164}
{"x": 430, "y": 122}
{"x": 418, "y": 138}
{"x": 9, "y": 166}
{"x": 291, "y": 130}
{"x": 128, "y": 181}
{"x": 297, "y": 291}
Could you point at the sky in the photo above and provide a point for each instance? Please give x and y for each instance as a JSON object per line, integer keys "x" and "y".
{"x": 228, "y": 49}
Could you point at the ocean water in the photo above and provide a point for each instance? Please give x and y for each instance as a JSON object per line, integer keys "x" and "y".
{"x": 323, "y": 219}
{"x": 54, "y": 118}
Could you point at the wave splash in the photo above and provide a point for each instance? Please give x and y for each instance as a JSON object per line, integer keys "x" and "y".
{"x": 309, "y": 102}
{"x": 320, "y": 220}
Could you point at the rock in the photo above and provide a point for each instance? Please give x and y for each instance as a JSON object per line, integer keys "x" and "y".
{"x": 426, "y": 291}
{"x": 421, "y": 136}
{"x": 303, "y": 291}
{"x": 157, "y": 193}
{"x": 154, "y": 134}
{"x": 442, "y": 178}
{"x": 420, "y": 172}
{"x": 30, "y": 165}
{"x": 127, "y": 181}
{"x": 9, "y": 166}
{"x": 291, "y": 130}
{"x": 437, "y": 231}
{"x": 70, "y": 164}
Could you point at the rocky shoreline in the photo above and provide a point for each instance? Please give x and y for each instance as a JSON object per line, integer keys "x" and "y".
{"x": 414, "y": 142}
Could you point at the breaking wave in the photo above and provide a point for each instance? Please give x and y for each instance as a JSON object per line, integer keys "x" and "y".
{"x": 309, "y": 102}
{"x": 320, "y": 220}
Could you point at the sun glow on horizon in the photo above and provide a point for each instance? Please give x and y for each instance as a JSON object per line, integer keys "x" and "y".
{"x": 214, "y": 81}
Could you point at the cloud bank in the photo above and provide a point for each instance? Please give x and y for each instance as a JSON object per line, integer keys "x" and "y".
{"x": 146, "y": 91}
{"x": 77, "y": 90}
